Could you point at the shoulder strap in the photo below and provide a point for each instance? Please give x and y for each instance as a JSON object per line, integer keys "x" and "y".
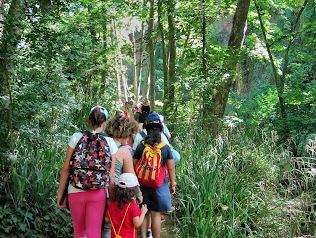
{"x": 143, "y": 134}
{"x": 161, "y": 144}
{"x": 119, "y": 230}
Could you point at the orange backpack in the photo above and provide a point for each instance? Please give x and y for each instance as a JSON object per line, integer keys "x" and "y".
{"x": 149, "y": 169}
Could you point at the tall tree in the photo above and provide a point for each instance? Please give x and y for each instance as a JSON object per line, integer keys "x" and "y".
{"x": 1, "y": 17}
{"x": 164, "y": 58}
{"x": 206, "y": 104}
{"x": 116, "y": 64}
{"x": 105, "y": 59}
{"x": 219, "y": 100}
{"x": 140, "y": 61}
{"x": 172, "y": 57}
{"x": 12, "y": 32}
{"x": 151, "y": 50}
{"x": 280, "y": 79}
{"x": 135, "y": 71}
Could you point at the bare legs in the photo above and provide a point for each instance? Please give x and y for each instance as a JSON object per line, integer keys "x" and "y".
{"x": 155, "y": 218}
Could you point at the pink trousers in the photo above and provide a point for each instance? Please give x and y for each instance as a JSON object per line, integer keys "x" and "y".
{"x": 87, "y": 210}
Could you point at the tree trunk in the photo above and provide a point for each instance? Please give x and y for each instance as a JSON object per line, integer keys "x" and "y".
{"x": 135, "y": 80}
{"x": 203, "y": 41}
{"x": 164, "y": 59}
{"x": 206, "y": 104}
{"x": 116, "y": 64}
{"x": 124, "y": 78}
{"x": 151, "y": 50}
{"x": 141, "y": 57}
{"x": 280, "y": 80}
{"x": 146, "y": 83}
{"x": 172, "y": 58}
{"x": 1, "y": 18}
{"x": 12, "y": 32}
{"x": 140, "y": 62}
{"x": 220, "y": 97}
{"x": 105, "y": 60}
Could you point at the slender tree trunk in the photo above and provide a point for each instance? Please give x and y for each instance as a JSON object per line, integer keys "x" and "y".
{"x": 141, "y": 57}
{"x": 164, "y": 59}
{"x": 135, "y": 81}
{"x": 116, "y": 63}
{"x": 140, "y": 62}
{"x": 12, "y": 32}
{"x": 146, "y": 83}
{"x": 203, "y": 41}
{"x": 220, "y": 97}
{"x": 172, "y": 58}
{"x": 2, "y": 2}
{"x": 280, "y": 79}
{"x": 151, "y": 50}
{"x": 206, "y": 104}
{"x": 105, "y": 60}
{"x": 124, "y": 79}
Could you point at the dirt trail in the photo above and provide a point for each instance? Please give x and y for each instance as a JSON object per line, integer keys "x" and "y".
{"x": 168, "y": 228}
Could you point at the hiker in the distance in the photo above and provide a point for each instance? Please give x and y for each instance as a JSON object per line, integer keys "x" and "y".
{"x": 124, "y": 214}
{"x": 152, "y": 161}
{"x": 86, "y": 175}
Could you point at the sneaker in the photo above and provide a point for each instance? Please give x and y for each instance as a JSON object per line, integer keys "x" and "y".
{"x": 149, "y": 233}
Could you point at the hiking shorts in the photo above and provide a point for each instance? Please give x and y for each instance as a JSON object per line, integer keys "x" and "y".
{"x": 157, "y": 199}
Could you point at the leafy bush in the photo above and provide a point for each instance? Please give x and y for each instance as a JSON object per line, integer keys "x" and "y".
{"x": 28, "y": 194}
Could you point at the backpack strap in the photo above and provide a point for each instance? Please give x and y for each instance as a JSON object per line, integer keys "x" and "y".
{"x": 143, "y": 134}
{"x": 159, "y": 146}
{"x": 119, "y": 230}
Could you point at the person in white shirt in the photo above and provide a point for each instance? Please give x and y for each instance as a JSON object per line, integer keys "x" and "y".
{"x": 87, "y": 168}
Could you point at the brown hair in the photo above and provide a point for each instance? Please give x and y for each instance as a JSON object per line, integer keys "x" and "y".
{"x": 125, "y": 195}
{"x": 97, "y": 117}
{"x": 121, "y": 126}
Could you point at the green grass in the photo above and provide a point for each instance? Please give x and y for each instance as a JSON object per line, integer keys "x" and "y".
{"x": 231, "y": 186}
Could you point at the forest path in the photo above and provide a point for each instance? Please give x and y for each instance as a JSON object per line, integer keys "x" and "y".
{"x": 168, "y": 227}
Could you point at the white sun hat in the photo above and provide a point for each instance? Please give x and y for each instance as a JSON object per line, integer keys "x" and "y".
{"x": 128, "y": 180}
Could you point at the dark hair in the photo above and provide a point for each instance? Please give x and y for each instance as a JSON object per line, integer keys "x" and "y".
{"x": 145, "y": 108}
{"x": 153, "y": 134}
{"x": 121, "y": 126}
{"x": 143, "y": 116}
{"x": 96, "y": 117}
{"x": 125, "y": 195}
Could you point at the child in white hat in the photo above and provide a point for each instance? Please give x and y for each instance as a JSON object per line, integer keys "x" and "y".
{"x": 123, "y": 212}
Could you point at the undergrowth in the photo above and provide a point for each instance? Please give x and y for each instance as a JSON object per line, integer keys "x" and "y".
{"x": 242, "y": 185}
{"x": 233, "y": 185}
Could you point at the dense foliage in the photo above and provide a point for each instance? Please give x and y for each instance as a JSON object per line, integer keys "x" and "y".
{"x": 59, "y": 58}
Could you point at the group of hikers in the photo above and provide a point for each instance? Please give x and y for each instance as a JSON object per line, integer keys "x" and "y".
{"x": 121, "y": 172}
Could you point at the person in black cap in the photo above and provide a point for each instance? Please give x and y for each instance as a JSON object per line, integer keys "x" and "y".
{"x": 158, "y": 199}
